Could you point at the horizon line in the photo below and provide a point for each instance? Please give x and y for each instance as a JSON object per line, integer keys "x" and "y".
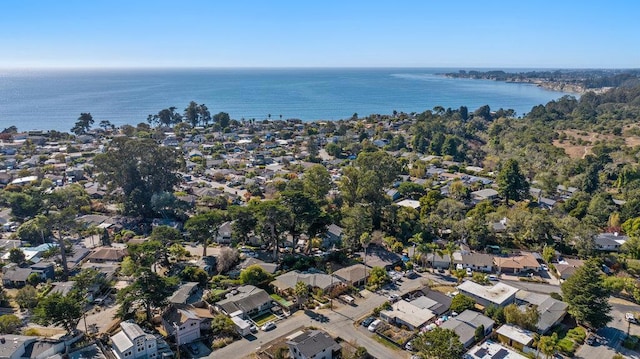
{"x": 81, "y": 68}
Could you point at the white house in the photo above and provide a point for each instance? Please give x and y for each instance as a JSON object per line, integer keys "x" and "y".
{"x": 131, "y": 343}
{"x": 182, "y": 324}
{"x": 500, "y": 294}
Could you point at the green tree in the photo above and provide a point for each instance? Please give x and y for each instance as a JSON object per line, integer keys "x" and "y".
{"x": 461, "y": 302}
{"x": 141, "y": 168}
{"x": 149, "y": 290}
{"x": 202, "y": 227}
{"x": 222, "y": 325}
{"x": 548, "y": 254}
{"x": 244, "y": 222}
{"x": 83, "y": 125}
{"x": 222, "y": 119}
{"x": 254, "y": 275}
{"x": 304, "y": 210}
{"x": 9, "y": 323}
{"x": 355, "y": 221}
{"x": 89, "y": 278}
{"x": 548, "y": 345}
{"x": 16, "y": 255}
{"x": 27, "y": 297}
{"x": 378, "y": 277}
{"x": 302, "y": 292}
{"x": 273, "y": 220}
{"x": 587, "y": 296}
{"x": 194, "y": 274}
{"x": 439, "y": 343}
{"x": 58, "y": 309}
{"x": 317, "y": 182}
{"x": 512, "y": 184}
{"x": 527, "y": 319}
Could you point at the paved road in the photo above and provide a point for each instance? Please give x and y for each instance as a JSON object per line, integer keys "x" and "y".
{"x": 340, "y": 324}
{"x": 613, "y": 334}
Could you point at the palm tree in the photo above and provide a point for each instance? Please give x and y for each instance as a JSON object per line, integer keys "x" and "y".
{"x": 449, "y": 249}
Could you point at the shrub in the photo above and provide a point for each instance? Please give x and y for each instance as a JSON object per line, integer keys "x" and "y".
{"x": 567, "y": 346}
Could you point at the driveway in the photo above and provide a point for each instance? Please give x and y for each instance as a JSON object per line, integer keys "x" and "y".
{"x": 340, "y": 323}
{"x": 613, "y": 334}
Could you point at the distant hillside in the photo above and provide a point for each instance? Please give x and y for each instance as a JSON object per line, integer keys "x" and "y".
{"x": 578, "y": 81}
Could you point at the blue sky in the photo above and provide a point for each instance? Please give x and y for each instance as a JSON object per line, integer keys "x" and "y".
{"x": 327, "y": 33}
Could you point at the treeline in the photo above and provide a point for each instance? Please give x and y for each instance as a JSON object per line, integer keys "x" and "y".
{"x": 589, "y": 79}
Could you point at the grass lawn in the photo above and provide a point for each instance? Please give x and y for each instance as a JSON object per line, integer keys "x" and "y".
{"x": 281, "y": 300}
{"x": 387, "y": 343}
{"x": 261, "y": 319}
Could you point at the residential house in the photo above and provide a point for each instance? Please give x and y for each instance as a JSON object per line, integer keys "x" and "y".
{"x": 224, "y": 233}
{"x": 14, "y": 346}
{"x": 478, "y": 262}
{"x": 500, "y": 294}
{"x": 408, "y": 314}
{"x": 249, "y": 301}
{"x": 377, "y": 256}
{"x": 270, "y": 268}
{"x": 516, "y": 337}
{"x": 466, "y": 324}
{"x": 552, "y": 311}
{"x": 182, "y": 324}
{"x": 16, "y": 277}
{"x": 313, "y": 344}
{"x": 492, "y": 350}
{"x": 487, "y": 194}
{"x": 410, "y": 203}
{"x": 610, "y": 242}
{"x": 332, "y": 236}
{"x": 566, "y": 267}
{"x": 287, "y": 281}
{"x": 107, "y": 255}
{"x": 132, "y": 343}
{"x": 185, "y": 294}
{"x": 516, "y": 264}
{"x": 434, "y": 301}
{"x": 437, "y": 261}
{"x": 355, "y": 275}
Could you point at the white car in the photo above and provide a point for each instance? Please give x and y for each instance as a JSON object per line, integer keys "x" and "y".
{"x": 469, "y": 272}
{"x": 373, "y": 326}
{"x": 268, "y": 326}
{"x": 630, "y": 317}
{"x": 545, "y": 267}
{"x": 393, "y": 297}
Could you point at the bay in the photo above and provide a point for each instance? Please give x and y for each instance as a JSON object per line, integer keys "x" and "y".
{"x": 53, "y": 99}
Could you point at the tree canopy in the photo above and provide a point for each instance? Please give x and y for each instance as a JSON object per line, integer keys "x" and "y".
{"x": 587, "y": 296}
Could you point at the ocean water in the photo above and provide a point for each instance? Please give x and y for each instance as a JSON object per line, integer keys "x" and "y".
{"x": 54, "y": 99}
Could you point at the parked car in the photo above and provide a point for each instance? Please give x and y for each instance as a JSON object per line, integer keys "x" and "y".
{"x": 544, "y": 267}
{"x": 469, "y": 272}
{"x": 254, "y": 329}
{"x": 630, "y": 317}
{"x": 493, "y": 277}
{"x": 410, "y": 274}
{"x": 268, "y": 326}
{"x": 409, "y": 346}
{"x": 591, "y": 339}
{"x": 194, "y": 348}
{"x": 393, "y": 297}
{"x": 368, "y": 321}
{"x": 374, "y": 325}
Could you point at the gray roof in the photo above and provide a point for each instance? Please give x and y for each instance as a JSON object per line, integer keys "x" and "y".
{"x": 478, "y": 259}
{"x": 313, "y": 342}
{"x": 551, "y": 310}
{"x": 444, "y": 301}
{"x": 354, "y": 273}
{"x": 319, "y": 280}
{"x": 465, "y": 324}
{"x": 182, "y": 294}
{"x": 17, "y": 274}
{"x": 12, "y": 343}
{"x": 248, "y": 298}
